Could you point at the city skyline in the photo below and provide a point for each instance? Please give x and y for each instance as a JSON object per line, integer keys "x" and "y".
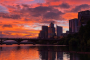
{"x": 24, "y": 18}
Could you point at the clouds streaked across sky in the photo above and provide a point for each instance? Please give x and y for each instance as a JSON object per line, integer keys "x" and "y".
{"x": 24, "y": 18}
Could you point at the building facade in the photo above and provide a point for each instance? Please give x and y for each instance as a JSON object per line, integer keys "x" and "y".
{"x": 83, "y": 17}
{"x": 45, "y": 29}
{"x": 44, "y": 32}
{"x": 59, "y": 31}
{"x": 51, "y": 30}
{"x": 41, "y": 34}
{"x": 73, "y": 25}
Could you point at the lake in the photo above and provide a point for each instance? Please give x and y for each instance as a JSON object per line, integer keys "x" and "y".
{"x": 40, "y": 52}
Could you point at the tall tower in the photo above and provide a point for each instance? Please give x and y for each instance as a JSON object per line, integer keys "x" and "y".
{"x": 59, "y": 31}
{"x": 73, "y": 25}
{"x": 83, "y": 17}
{"x": 51, "y": 30}
{"x": 51, "y": 24}
{"x": 44, "y": 32}
{"x": 45, "y": 29}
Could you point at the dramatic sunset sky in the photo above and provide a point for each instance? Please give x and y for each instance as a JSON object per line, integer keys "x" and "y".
{"x": 24, "y": 18}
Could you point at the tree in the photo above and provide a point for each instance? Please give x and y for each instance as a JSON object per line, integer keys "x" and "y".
{"x": 73, "y": 42}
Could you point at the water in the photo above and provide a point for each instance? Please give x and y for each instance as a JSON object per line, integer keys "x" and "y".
{"x": 40, "y": 52}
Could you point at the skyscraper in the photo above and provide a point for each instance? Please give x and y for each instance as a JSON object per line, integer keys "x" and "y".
{"x": 59, "y": 31}
{"x": 83, "y": 17}
{"x": 73, "y": 25}
{"x": 41, "y": 34}
{"x": 51, "y": 25}
{"x": 51, "y": 30}
{"x": 45, "y": 29}
{"x": 44, "y": 32}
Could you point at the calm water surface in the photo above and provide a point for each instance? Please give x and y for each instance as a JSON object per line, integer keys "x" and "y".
{"x": 40, "y": 52}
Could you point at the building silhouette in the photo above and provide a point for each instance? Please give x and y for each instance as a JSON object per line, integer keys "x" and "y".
{"x": 83, "y": 17}
{"x": 51, "y": 25}
{"x": 59, "y": 31}
{"x": 51, "y": 30}
{"x": 44, "y": 32}
{"x": 41, "y": 34}
{"x": 73, "y": 26}
{"x": 45, "y": 29}
{"x": 67, "y": 32}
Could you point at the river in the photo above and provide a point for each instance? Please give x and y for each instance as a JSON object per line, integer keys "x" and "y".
{"x": 40, "y": 52}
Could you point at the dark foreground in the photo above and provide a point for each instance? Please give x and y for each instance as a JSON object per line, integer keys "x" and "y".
{"x": 41, "y": 52}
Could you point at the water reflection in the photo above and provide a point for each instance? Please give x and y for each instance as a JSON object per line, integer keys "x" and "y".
{"x": 48, "y": 53}
{"x": 74, "y": 56}
{"x": 27, "y": 52}
{"x": 0, "y": 48}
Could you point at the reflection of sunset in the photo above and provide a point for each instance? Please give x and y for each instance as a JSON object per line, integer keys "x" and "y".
{"x": 22, "y": 54}
{"x": 30, "y": 52}
{"x": 66, "y": 56}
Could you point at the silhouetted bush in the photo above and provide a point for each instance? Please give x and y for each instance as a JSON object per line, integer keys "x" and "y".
{"x": 88, "y": 42}
{"x": 73, "y": 42}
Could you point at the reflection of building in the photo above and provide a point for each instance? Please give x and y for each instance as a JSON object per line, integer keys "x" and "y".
{"x": 51, "y": 30}
{"x": 44, "y": 32}
{"x": 74, "y": 57}
{"x": 59, "y": 31}
{"x": 46, "y": 54}
{"x": 73, "y": 25}
{"x": 59, "y": 55}
{"x": 51, "y": 55}
{"x": 83, "y": 17}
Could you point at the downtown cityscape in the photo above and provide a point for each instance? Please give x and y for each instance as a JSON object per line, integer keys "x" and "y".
{"x": 74, "y": 26}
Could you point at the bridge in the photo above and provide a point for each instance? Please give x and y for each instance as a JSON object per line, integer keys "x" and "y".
{"x": 34, "y": 41}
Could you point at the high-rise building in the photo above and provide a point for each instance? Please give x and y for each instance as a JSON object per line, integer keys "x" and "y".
{"x": 45, "y": 29}
{"x": 59, "y": 31}
{"x": 51, "y": 30}
{"x": 41, "y": 34}
{"x": 44, "y": 32}
{"x": 73, "y": 25}
{"x": 83, "y": 17}
{"x": 51, "y": 25}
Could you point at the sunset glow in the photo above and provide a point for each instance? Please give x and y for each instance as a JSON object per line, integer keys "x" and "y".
{"x": 24, "y": 18}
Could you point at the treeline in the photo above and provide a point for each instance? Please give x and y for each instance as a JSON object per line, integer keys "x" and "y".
{"x": 80, "y": 39}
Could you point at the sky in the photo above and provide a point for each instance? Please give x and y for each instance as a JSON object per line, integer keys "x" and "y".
{"x": 24, "y": 18}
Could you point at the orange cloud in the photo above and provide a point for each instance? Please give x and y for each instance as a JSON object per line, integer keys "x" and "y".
{"x": 70, "y": 15}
